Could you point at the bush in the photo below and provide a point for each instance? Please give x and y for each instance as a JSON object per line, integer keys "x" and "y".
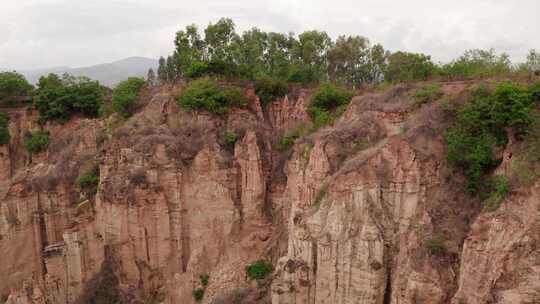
{"x": 12, "y": 85}
{"x": 436, "y": 245}
{"x": 125, "y": 95}
{"x": 328, "y": 103}
{"x": 535, "y": 91}
{"x": 288, "y": 140}
{"x": 198, "y": 294}
{"x": 259, "y": 270}
{"x": 205, "y": 94}
{"x": 37, "y": 142}
{"x": 304, "y": 74}
{"x": 499, "y": 190}
{"x": 204, "y": 280}
{"x": 480, "y": 127}
{"x": 5, "y": 137}
{"x": 269, "y": 89}
{"x": 231, "y": 138}
{"x": 477, "y": 63}
{"x": 58, "y": 98}
{"x": 426, "y": 94}
{"x": 403, "y": 66}
{"x": 197, "y": 69}
{"x": 88, "y": 182}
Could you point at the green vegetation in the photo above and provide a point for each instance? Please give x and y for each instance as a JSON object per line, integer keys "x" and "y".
{"x": 58, "y": 98}
{"x": 231, "y": 138}
{"x": 499, "y": 190}
{"x": 482, "y": 124}
{"x": 288, "y": 140}
{"x": 125, "y": 95}
{"x": 320, "y": 195}
{"x": 204, "y": 280}
{"x": 5, "y": 137}
{"x": 403, "y": 66}
{"x": 476, "y": 63}
{"x": 37, "y": 142}
{"x": 436, "y": 245}
{"x": 427, "y": 94}
{"x": 13, "y": 85}
{"x": 269, "y": 89}
{"x": 88, "y": 182}
{"x": 205, "y": 94}
{"x": 328, "y": 103}
{"x": 259, "y": 269}
{"x": 198, "y": 294}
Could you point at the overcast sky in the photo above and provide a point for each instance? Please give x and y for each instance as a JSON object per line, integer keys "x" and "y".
{"x": 47, "y": 33}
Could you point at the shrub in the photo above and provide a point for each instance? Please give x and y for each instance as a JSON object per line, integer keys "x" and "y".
{"x": 477, "y": 63}
{"x": 288, "y": 140}
{"x": 328, "y": 103}
{"x": 197, "y": 69}
{"x": 88, "y": 182}
{"x": 426, "y": 94}
{"x": 231, "y": 138}
{"x": 58, "y": 98}
{"x": 37, "y": 142}
{"x": 259, "y": 270}
{"x": 198, "y": 294}
{"x": 535, "y": 91}
{"x": 480, "y": 127}
{"x": 436, "y": 245}
{"x": 305, "y": 74}
{"x": 499, "y": 190}
{"x": 5, "y": 137}
{"x": 125, "y": 95}
{"x": 269, "y": 89}
{"x": 403, "y": 66}
{"x": 12, "y": 85}
{"x": 205, "y": 94}
{"x": 204, "y": 279}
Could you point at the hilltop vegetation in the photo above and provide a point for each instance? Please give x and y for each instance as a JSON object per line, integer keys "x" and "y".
{"x": 313, "y": 57}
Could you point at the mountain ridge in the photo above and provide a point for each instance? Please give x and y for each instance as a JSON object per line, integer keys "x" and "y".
{"x": 108, "y": 74}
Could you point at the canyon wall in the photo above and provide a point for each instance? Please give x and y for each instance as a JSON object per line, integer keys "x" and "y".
{"x": 344, "y": 214}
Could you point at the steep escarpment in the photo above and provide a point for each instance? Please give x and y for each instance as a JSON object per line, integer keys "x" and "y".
{"x": 346, "y": 214}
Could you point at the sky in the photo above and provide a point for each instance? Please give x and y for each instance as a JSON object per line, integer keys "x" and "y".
{"x": 49, "y": 33}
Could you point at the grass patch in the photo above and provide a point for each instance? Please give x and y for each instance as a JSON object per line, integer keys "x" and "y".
{"x": 499, "y": 190}
{"x": 427, "y": 94}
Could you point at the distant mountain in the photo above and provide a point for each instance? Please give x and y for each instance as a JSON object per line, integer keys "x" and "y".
{"x": 108, "y": 74}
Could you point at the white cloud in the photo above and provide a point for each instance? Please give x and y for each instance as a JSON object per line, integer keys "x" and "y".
{"x": 41, "y": 33}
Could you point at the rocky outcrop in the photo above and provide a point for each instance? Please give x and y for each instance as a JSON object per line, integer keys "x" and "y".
{"x": 344, "y": 215}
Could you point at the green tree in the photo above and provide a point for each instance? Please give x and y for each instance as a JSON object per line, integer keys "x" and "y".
{"x": 348, "y": 59}
{"x": 218, "y": 39}
{"x": 248, "y": 52}
{"x": 162, "y": 70}
{"x": 125, "y": 95}
{"x": 190, "y": 48}
{"x": 533, "y": 60}
{"x": 278, "y": 57}
{"x": 477, "y": 63}
{"x": 58, "y": 98}
{"x": 404, "y": 66}
{"x": 12, "y": 85}
{"x": 151, "y": 77}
